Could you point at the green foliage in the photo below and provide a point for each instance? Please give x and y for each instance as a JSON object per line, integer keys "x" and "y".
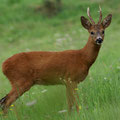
{"x": 23, "y": 29}
{"x": 13, "y": 1}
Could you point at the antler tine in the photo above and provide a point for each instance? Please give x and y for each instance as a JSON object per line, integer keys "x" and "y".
{"x": 100, "y": 18}
{"x": 88, "y": 13}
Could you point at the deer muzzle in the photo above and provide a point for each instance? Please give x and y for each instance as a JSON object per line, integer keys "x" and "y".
{"x": 99, "y": 41}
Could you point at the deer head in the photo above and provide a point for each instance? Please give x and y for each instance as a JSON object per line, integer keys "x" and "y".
{"x": 97, "y": 31}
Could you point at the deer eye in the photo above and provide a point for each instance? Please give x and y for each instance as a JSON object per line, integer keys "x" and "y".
{"x": 103, "y": 32}
{"x": 92, "y": 33}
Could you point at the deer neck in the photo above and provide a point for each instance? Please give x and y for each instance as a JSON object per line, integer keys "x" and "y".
{"x": 90, "y": 52}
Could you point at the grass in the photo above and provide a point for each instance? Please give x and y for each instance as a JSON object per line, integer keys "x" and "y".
{"x": 22, "y": 29}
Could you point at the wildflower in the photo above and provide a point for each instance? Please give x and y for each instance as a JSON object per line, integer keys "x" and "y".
{"x": 43, "y": 91}
{"x": 1, "y": 113}
{"x": 80, "y": 107}
{"x": 12, "y": 105}
{"x": 118, "y": 67}
{"x": 76, "y": 89}
{"x": 31, "y": 103}
{"x": 62, "y": 111}
{"x": 105, "y": 78}
{"x": 67, "y": 35}
{"x": 11, "y": 109}
{"x": 27, "y": 49}
{"x": 57, "y": 35}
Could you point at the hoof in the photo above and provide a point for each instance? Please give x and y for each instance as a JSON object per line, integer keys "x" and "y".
{"x": 2, "y": 102}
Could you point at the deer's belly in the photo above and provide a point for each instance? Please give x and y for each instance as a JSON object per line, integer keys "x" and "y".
{"x": 50, "y": 79}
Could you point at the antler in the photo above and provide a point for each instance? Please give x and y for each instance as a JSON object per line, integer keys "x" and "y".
{"x": 100, "y": 18}
{"x": 88, "y": 12}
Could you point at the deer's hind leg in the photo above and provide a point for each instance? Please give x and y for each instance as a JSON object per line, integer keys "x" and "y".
{"x": 18, "y": 88}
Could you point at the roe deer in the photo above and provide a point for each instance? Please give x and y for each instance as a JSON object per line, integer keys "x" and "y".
{"x": 50, "y": 68}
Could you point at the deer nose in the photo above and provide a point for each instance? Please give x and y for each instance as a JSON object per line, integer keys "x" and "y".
{"x": 99, "y": 40}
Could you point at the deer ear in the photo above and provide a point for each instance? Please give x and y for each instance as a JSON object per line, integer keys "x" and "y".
{"x": 85, "y": 22}
{"x": 106, "y": 22}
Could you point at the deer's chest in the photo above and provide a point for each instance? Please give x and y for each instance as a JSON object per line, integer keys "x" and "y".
{"x": 79, "y": 73}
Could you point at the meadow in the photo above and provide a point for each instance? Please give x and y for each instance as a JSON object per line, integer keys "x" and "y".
{"x": 23, "y": 29}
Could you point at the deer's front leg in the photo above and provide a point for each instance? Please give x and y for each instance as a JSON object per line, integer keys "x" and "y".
{"x": 75, "y": 89}
{"x": 71, "y": 95}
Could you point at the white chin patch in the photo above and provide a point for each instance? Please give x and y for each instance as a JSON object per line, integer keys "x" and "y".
{"x": 98, "y": 43}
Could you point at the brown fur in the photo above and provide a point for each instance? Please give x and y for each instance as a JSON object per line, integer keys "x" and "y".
{"x": 50, "y": 68}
